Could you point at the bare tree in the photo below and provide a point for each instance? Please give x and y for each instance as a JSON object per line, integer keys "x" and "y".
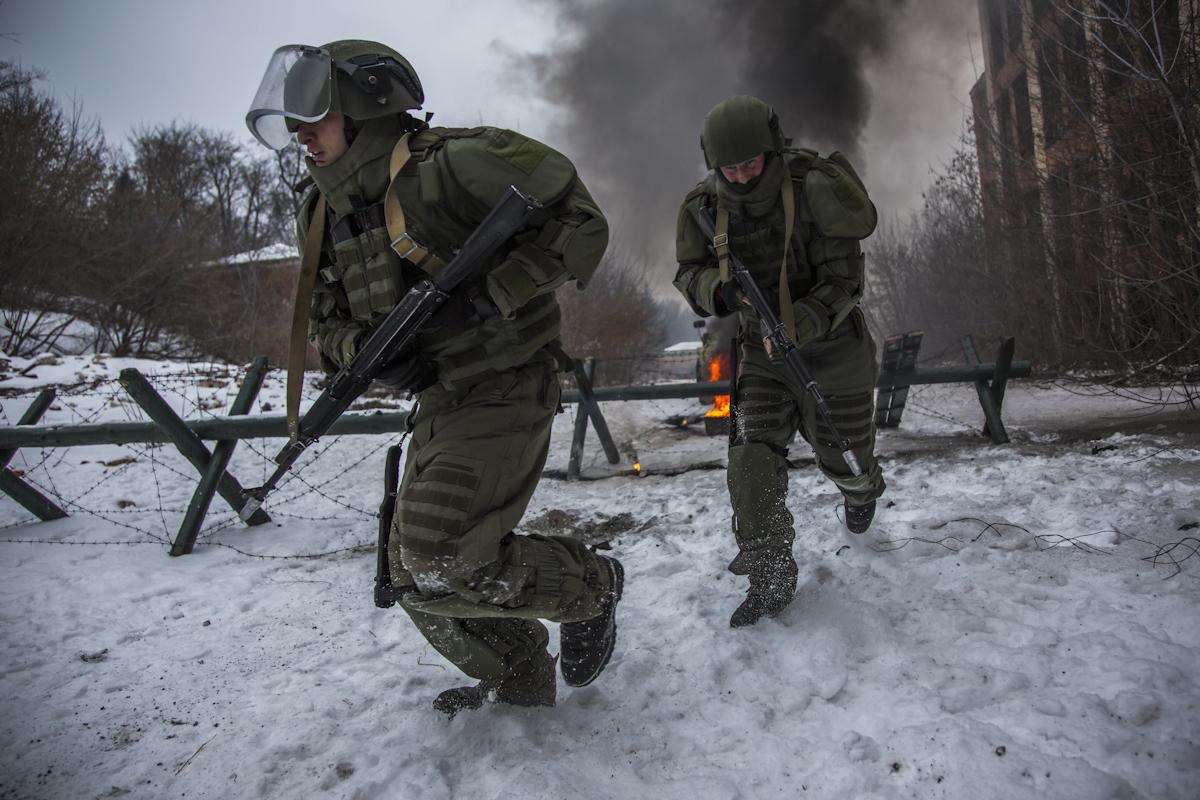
{"x": 939, "y": 271}
{"x": 53, "y": 172}
{"x": 183, "y": 202}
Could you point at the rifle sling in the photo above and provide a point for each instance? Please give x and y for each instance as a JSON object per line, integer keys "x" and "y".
{"x": 401, "y": 242}
{"x": 298, "y": 343}
{"x": 721, "y": 242}
{"x": 787, "y": 314}
{"x": 404, "y": 245}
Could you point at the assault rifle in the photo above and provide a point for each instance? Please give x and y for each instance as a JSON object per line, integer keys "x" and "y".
{"x": 398, "y": 329}
{"x": 773, "y": 332}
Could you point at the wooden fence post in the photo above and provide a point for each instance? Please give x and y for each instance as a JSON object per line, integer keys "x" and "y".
{"x": 11, "y": 484}
{"x": 1004, "y": 358}
{"x": 895, "y": 374}
{"x": 993, "y": 424}
{"x": 583, "y": 373}
{"x": 185, "y": 440}
{"x": 588, "y": 408}
{"x": 197, "y": 509}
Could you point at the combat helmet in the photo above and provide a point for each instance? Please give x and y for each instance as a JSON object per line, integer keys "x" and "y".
{"x": 358, "y": 78}
{"x": 739, "y": 128}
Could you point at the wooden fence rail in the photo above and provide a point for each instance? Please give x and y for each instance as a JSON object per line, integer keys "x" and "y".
{"x": 267, "y": 426}
{"x": 189, "y": 435}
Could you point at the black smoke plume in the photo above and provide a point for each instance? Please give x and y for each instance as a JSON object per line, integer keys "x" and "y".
{"x": 635, "y": 79}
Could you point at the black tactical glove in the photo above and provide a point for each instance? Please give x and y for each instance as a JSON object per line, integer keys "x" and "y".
{"x": 731, "y": 296}
{"x": 469, "y": 305}
{"x": 407, "y": 372}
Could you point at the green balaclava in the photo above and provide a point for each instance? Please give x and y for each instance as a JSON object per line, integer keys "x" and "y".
{"x": 373, "y": 87}
{"x": 361, "y": 174}
{"x": 736, "y": 130}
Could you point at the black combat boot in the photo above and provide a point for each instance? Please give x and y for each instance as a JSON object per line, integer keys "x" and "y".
{"x": 766, "y": 598}
{"x": 772, "y": 573}
{"x": 858, "y": 518}
{"x": 588, "y": 645}
{"x": 531, "y": 683}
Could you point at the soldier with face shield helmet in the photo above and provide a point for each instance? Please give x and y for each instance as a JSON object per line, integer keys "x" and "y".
{"x": 393, "y": 200}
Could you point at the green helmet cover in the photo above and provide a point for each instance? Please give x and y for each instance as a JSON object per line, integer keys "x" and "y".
{"x": 358, "y": 78}
{"x": 737, "y": 129}
{"x": 372, "y": 80}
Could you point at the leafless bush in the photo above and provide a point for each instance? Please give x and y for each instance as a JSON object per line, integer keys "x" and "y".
{"x": 939, "y": 271}
{"x": 616, "y": 320}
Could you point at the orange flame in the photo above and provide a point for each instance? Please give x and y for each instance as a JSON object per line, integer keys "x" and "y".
{"x": 721, "y": 402}
{"x": 720, "y": 406}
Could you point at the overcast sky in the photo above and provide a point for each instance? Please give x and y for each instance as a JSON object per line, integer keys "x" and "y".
{"x": 144, "y": 62}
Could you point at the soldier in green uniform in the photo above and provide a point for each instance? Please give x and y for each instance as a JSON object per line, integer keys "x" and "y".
{"x": 795, "y": 219}
{"x": 392, "y": 197}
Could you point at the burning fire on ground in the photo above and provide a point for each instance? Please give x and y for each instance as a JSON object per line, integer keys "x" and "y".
{"x": 718, "y": 370}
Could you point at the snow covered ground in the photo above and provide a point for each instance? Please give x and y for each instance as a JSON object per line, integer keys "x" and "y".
{"x": 1015, "y": 624}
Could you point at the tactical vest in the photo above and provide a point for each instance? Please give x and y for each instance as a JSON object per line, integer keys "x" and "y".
{"x": 758, "y": 241}
{"x": 367, "y": 277}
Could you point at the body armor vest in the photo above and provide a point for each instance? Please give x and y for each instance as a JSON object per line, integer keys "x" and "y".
{"x": 759, "y": 244}
{"x": 758, "y": 241}
{"x": 366, "y": 278}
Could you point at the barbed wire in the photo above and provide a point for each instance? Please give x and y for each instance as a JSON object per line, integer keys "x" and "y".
{"x": 355, "y": 548}
{"x": 108, "y": 394}
{"x": 75, "y": 543}
{"x": 90, "y": 512}
{"x": 1085, "y": 388}
{"x": 1166, "y": 552}
{"x": 1162, "y": 553}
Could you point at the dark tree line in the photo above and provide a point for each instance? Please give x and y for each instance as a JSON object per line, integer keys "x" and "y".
{"x": 129, "y": 245}
{"x": 126, "y": 244}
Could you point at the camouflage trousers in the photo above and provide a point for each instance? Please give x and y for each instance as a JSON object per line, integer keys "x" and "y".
{"x": 771, "y": 408}
{"x": 473, "y": 588}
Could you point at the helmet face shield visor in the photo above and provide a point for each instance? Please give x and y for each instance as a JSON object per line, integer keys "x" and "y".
{"x": 296, "y": 87}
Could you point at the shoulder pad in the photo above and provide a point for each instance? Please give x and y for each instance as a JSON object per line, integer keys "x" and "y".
{"x": 702, "y": 194}
{"x": 799, "y": 160}
{"x": 486, "y": 161}
{"x": 430, "y": 137}
{"x": 690, "y": 244}
{"x": 838, "y": 199}
{"x": 702, "y": 189}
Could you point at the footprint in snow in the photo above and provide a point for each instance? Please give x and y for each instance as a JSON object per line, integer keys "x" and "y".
{"x": 860, "y": 747}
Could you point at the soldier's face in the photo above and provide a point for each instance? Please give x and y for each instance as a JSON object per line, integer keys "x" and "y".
{"x": 325, "y": 140}
{"x": 746, "y": 171}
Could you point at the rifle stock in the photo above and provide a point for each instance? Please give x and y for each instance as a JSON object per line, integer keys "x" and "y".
{"x": 402, "y": 324}
{"x": 773, "y": 331}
